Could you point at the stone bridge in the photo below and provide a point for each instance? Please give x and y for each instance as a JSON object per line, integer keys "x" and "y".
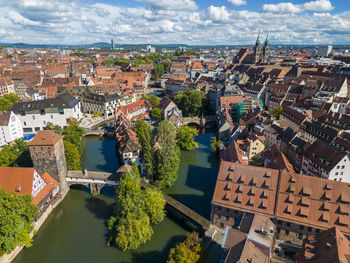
{"x": 202, "y": 122}
{"x": 95, "y": 181}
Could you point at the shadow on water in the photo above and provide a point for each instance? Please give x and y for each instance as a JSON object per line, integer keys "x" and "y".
{"x": 108, "y": 151}
{"x": 80, "y": 187}
{"x": 156, "y": 256}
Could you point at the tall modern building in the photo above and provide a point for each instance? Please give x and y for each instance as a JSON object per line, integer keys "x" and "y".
{"x": 261, "y": 54}
{"x": 112, "y": 44}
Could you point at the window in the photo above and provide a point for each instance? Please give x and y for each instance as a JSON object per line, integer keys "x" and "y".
{"x": 51, "y": 116}
{"x": 288, "y": 224}
{"x": 44, "y": 122}
{"x": 309, "y": 229}
{"x": 33, "y": 117}
{"x": 343, "y": 166}
{"x": 61, "y": 111}
{"x": 301, "y": 227}
{"x": 24, "y": 123}
{"x": 42, "y": 112}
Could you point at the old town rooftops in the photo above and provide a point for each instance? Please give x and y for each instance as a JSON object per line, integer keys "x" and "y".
{"x": 45, "y": 138}
{"x": 295, "y": 198}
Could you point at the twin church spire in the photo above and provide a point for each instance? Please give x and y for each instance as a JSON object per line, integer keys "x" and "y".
{"x": 261, "y": 54}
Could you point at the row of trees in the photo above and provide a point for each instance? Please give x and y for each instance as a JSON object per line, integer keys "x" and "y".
{"x": 17, "y": 155}
{"x": 136, "y": 211}
{"x": 73, "y": 147}
{"x": 156, "y": 112}
{"x": 7, "y": 101}
{"x": 17, "y": 215}
{"x": 161, "y": 153}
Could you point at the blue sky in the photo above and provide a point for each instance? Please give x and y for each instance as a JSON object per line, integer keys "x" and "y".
{"x": 175, "y": 21}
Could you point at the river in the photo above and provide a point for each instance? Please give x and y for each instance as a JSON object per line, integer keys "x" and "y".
{"x": 76, "y": 231}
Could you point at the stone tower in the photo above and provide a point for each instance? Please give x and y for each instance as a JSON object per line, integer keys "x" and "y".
{"x": 266, "y": 50}
{"x": 47, "y": 152}
{"x": 257, "y": 51}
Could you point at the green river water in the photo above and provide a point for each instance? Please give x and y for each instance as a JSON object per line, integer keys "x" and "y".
{"x": 76, "y": 230}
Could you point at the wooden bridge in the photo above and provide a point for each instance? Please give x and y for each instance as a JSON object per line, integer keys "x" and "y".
{"x": 95, "y": 181}
{"x": 202, "y": 122}
{"x": 200, "y": 220}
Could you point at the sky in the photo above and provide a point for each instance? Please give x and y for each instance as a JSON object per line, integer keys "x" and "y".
{"x": 193, "y": 22}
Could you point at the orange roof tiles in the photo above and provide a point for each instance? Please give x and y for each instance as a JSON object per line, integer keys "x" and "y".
{"x": 300, "y": 199}
{"x": 45, "y": 138}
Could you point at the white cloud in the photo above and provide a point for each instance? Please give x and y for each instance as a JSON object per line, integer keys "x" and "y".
{"x": 218, "y": 14}
{"x": 80, "y": 22}
{"x": 172, "y": 4}
{"x": 237, "y": 2}
{"x": 317, "y": 6}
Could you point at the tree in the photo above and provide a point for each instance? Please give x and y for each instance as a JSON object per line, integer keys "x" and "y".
{"x": 158, "y": 70}
{"x": 16, "y": 155}
{"x": 136, "y": 209}
{"x": 167, "y": 155}
{"x": 154, "y": 204}
{"x": 133, "y": 231}
{"x": 190, "y": 102}
{"x": 156, "y": 113}
{"x": 145, "y": 137}
{"x": 72, "y": 156}
{"x": 215, "y": 145}
{"x": 73, "y": 134}
{"x": 7, "y": 101}
{"x": 185, "y": 138}
{"x": 277, "y": 112}
{"x": 191, "y": 250}
{"x": 17, "y": 215}
{"x": 55, "y": 128}
{"x": 154, "y": 101}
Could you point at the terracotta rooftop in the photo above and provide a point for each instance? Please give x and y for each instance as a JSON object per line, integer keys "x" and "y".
{"x": 328, "y": 246}
{"x": 295, "y": 198}
{"x": 45, "y": 138}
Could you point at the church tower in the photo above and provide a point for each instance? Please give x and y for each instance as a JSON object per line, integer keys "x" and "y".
{"x": 257, "y": 51}
{"x": 47, "y": 152}
{"x": 266, "y": 50}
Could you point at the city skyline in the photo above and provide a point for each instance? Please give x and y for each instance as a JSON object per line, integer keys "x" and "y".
{"x": 218, "y": 22}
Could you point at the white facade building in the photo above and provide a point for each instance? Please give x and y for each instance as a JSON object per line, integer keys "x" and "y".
{"x": 35, "y": 115}
{"x": 10, "y": 128}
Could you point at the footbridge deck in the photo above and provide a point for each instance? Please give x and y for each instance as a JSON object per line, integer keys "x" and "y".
{"x": 203, "y": 222}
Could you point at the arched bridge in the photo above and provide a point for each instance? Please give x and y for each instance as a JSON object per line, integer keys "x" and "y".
{"x": 93, "y": 180}
{"x": 202, "y": 122}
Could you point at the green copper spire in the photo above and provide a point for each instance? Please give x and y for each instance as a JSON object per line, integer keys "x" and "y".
{"x": 258, "y": 40}
{"x": 267, "y": 39}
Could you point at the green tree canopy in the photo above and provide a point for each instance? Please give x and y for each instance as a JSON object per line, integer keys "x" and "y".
{"x": 73, "y": 134}
{"x": 154, "y": 204}
{"x": 72, "y": 156}
{"x": 185, "y": 138}
{"x": 191, "y": 250}
{"x": 55, "y": 128}
{"x": 16, "y": 155}
{"x": 16, "y": 216}
{"x": 277, "y": 112}
{"x": 167, "y": 155}
{"x": 156, "y": 113}
{"x": 136, "y": 209}
{"x": 154, "y": 100}
{"x": 190, "y": 102}
{"x": 7, "y": 101}
{"x": 145, "y": 137}
{"x": 215, "y": 145}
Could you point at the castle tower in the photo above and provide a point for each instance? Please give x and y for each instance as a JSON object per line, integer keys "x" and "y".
{"x": 257, "y": 51}
{"x": 47, "y": 153}
{"x": 266, "y": 50}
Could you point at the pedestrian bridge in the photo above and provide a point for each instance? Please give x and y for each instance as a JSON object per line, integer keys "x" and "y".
{"x": 202, "y": 122}
{"x": 95, "y": 181}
